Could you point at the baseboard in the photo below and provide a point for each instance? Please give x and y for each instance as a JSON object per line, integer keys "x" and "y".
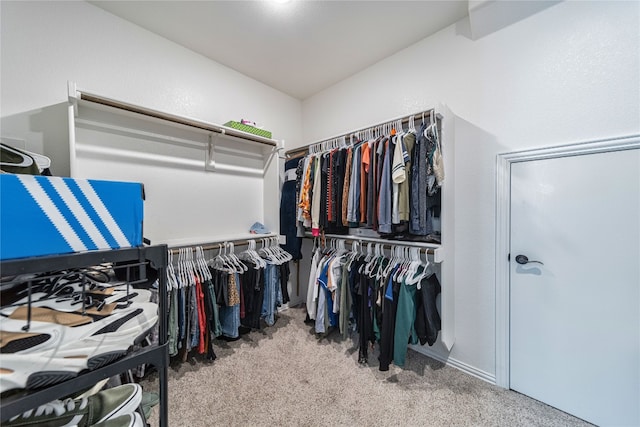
{"x": 449, "y": 361}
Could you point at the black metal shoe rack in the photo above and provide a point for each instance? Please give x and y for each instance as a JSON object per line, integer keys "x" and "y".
{"x": 157, "y": 356}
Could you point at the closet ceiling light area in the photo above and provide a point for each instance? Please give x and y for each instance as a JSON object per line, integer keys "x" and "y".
{"x": 302, "y": 47}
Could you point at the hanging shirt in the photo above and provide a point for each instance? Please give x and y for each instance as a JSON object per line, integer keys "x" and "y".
{"x": 304, "y": 205}
{"x": 345, "y": 301}
{"x": 364, "y": 171}
{"x": 321, "y": 313}
{"x": 418, "y": 200}
{"x": 338, "y": 184}
{"x": 312, "y": 291}
{"x": 372, "y": 191}
{"x": 324, "y": 184}
{"x": 346, "y": 187}
{"x": 398, "y": 175}
{"x": 202, "y": 317}
{"x": 384, "y": 208}
{"x": 335, "y": 279}
{"x": 234, "y": 296}
{"x": 173, "y": 322}
{"x": 380, "y": 163}
{"x": 316, "y": 199}
{"x": 403, "y": 198}
{"x": 331, "y": 190}
{"x": 354, "y": 188}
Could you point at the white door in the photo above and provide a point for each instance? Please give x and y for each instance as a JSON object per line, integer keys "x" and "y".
{"x": 575, "y": 319}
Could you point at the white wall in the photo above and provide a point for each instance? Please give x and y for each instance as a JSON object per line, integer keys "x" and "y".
{"x": 46, "y": 44}
{"x": 567, "y": 74}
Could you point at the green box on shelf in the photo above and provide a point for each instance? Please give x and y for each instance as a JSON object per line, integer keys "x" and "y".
{"x": 249, "y": 129}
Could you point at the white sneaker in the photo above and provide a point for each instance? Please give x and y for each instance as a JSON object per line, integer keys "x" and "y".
{"x": 34, "y": 371}
{"x": 128, "y": 420}
{"x": 82, "y": 341}
{"x": 67, "y": 295}
{"x": 73, "y": 302}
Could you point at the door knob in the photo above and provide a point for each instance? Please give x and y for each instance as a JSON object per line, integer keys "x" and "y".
{"x": 522, "y": 259}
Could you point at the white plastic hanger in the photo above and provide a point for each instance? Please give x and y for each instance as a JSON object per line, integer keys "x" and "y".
{"x": 189, "y": 268}
{"x": 399, "y": 260}
{"x": 394, "y": 261}
{"x": 370, "y": 269}
{"x": 172, "y": 282}
{"x": 273, "y": 254}
{"x": 410, "y": 260}
{"x": 251, "y": 255}
{"x": 350, "y": 255}
{"x": 219, "y": 261}
{"x": 418, "y": 277}
{"x": 228, "y": 259}
{"x": 263, "y": 251}
{"x": 233, "y": 260}
{"x": 202, "y": 264}
{"x": 181, "y": 269}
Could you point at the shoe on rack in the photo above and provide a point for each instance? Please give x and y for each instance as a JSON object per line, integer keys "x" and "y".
{"x": 58, "y": 345}
{"x": 95, "y": 304}
{"x": 104, "y": 406}
{"x": 98, "y": 289}
{"x": 68, "y": 293}
{"x": 33, "y": 371}
{"x": 149, "y": 400}
{"x": 128, "y": 420}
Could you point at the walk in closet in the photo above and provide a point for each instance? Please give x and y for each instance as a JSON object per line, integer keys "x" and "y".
{"x": 146, "y": 92}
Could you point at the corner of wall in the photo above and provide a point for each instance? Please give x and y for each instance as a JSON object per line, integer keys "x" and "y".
{"x": 489, "y": 16}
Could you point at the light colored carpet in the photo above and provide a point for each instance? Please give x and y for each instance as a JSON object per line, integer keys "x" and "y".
{"x": 283, "y": 375}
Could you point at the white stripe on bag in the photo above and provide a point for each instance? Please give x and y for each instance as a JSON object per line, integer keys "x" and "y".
{"x": 78, "y": 211}
{"x": 102, "y": 211}
{"x": 51, "y": 211}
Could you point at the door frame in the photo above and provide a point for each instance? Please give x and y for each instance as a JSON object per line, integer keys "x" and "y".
{"x": 503, "y": 228}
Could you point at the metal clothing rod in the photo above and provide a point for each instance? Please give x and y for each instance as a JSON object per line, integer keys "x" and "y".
{"x": 432, "y": 248}
{"x": 176, "y": 119}
{"x": 216, "y": 245}
{"x": 301, "y": 151}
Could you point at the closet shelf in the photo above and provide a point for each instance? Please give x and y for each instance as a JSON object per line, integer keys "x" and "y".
{"x": 76, "y": 95}
{"x": 187, "y": 143}
{"x": 214, "y": 243}
{"x": 79, "y": 259}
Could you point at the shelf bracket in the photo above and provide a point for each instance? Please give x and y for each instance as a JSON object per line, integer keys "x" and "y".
{"x": 210, "y": 161}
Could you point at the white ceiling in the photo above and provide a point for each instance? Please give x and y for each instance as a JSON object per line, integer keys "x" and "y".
{"x": 299, "y": 47}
